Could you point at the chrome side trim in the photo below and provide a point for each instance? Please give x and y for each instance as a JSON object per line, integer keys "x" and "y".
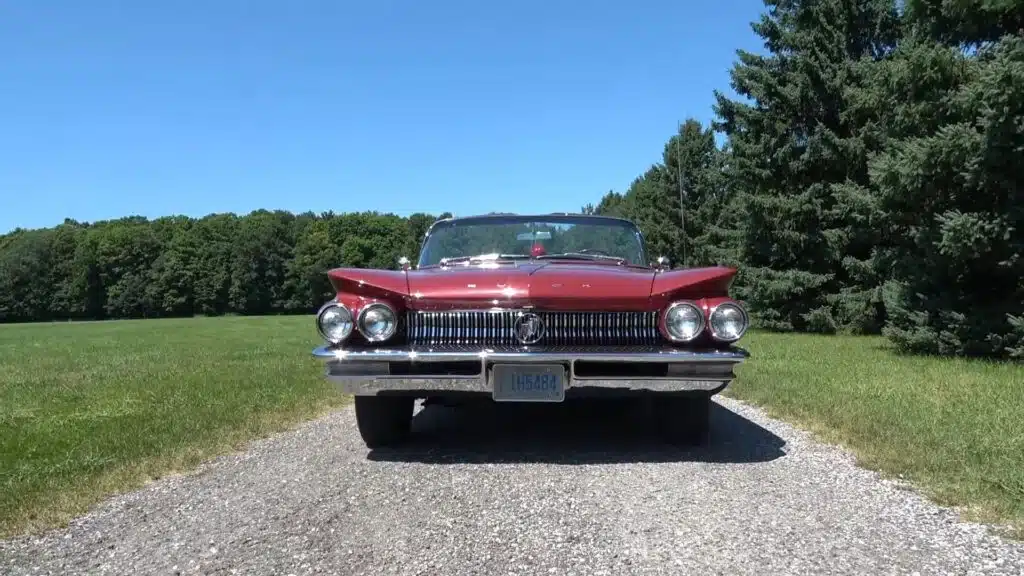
{"x": 608, "y": 381}
{"x": 611, "y": 354}
{"x": 650, "y": 384}
{"x": 368, "y": 371}
{"x": 373, "y": 386}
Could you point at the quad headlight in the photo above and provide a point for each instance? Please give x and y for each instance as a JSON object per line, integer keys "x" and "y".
{"x": 684, "y": 321}
{"x": 728, "y": 322}
{"x": 377, "y": 322}
{"x": 334, "y": 322}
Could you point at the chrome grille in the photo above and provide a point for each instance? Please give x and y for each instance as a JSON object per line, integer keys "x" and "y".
{"x": 497, "y": 327}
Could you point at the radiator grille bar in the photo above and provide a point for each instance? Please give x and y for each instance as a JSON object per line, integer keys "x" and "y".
{"x": 497, "y": 327}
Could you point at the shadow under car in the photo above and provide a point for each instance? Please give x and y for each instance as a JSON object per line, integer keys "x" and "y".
{"x": 577, "y": 431}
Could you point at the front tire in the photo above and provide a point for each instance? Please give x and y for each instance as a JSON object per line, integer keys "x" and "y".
{"x": 684, "y": 420}
{"x": 384, "y": 420}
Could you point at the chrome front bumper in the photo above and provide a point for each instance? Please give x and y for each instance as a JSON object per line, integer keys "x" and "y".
{"x": 435, "y": 371}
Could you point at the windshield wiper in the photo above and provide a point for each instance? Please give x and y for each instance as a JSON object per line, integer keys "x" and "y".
{"x": 481, "y": 258}
{"x": 582, "y": 256}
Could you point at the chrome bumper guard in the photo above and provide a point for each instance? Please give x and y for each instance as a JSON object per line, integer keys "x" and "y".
{"x": 369, "y": 372}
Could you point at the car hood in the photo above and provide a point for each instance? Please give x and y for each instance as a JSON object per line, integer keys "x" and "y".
{"x": 567, "y": 285}
{"x": 534, "y": 282}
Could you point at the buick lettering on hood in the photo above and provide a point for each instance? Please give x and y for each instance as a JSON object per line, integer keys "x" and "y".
{"x": 531, "y": 309}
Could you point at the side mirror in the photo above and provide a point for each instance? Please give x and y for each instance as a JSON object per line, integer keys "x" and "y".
{"x": 403, "y": 263}
{"x": 663, "y": 263}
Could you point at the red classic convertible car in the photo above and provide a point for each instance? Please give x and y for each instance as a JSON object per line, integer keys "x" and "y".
{"x": 531, "y": 309}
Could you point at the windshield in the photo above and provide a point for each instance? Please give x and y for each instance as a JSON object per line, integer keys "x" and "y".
{"x": 577, "y": 237}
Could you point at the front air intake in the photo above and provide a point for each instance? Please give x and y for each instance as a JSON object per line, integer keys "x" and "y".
{"x": 499, "y": 327}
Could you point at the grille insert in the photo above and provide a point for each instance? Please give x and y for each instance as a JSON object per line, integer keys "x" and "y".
{"x": 497, "y": 327}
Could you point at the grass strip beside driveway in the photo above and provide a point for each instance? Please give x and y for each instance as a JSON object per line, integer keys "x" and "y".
{"x": 89, "y": 409}
{"x": 954, "y": 427}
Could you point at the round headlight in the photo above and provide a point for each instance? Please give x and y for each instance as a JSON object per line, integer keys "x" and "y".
{"x": 334, "y": 322}
{"x": 683, "y": 321}
{"x": 728, "y": 322}
{"x": 377, "y": 322}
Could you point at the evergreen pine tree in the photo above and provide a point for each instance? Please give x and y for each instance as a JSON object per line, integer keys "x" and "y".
{"x": 796, "y": 153}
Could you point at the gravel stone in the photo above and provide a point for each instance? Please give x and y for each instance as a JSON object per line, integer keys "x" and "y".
{"x": 514, "y": 490}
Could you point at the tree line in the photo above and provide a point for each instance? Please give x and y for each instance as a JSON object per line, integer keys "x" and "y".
{"x": 871, "y": 176}
{"x": 869, "y": 181}
{"x": 261, "y": 263}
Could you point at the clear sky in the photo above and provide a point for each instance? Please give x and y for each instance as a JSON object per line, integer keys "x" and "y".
{"x": 115, "y": 108}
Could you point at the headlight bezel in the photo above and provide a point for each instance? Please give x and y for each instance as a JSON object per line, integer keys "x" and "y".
{"x": 362, "y": 316}
{"x": 667, "y": 332}
{"x": 743, "y": 314}
{"x": 320, "y": 326}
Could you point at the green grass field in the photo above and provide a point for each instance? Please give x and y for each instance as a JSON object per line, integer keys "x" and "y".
{"x": 89, "y": 409}
{"x": 955, "y": 428}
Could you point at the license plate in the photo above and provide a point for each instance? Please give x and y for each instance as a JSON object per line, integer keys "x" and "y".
{"x": 528, "y": 382}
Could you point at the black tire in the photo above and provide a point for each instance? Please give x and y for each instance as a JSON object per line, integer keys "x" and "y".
{"x": 384, "y": 420}
{"x": 684, "y": 420}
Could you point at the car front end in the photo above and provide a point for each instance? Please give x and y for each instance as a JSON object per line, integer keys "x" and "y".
{"x": 517, "y": 322}
{"x": 531, "y": 355}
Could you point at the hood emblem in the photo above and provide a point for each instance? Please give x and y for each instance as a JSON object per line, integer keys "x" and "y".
{"x": 529, "y": 328}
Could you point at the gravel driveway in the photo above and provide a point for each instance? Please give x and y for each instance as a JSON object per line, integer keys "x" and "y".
{"x": 587, "y": 491}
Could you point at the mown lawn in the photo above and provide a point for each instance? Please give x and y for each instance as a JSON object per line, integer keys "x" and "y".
{"x": 955, "y": 428}
{"x": 87, "y": 409}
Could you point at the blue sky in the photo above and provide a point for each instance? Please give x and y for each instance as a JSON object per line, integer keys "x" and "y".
{"x": 112, "y": 108}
